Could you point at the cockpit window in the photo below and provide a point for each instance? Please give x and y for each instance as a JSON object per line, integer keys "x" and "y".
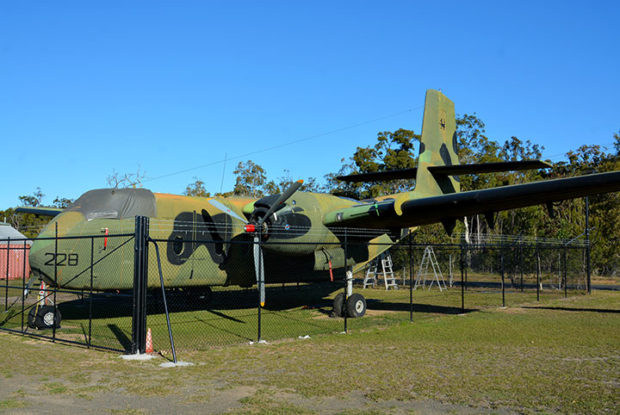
{"x": 115, "y": 204}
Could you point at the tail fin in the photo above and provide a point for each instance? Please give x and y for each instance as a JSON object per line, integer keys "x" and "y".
{"x": 438, "y": 146}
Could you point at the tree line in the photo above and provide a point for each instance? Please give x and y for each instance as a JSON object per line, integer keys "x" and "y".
{"x": 399, "y": 150}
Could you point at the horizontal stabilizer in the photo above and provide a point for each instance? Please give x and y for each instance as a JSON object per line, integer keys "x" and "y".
{"x": 453, "y": 170}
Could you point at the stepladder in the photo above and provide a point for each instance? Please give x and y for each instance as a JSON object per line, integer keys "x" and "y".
{"x": 374, "y": 273}
{"x": 429, "y": 260}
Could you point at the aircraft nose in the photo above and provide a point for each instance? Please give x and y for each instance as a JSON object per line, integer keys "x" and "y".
{"x": 40, "y": 257}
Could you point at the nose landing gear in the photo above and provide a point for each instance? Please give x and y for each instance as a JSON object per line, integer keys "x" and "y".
{"x": 356, "y": 303}
{"x": 44, "y": 317}
{"x": 355, "y": 306}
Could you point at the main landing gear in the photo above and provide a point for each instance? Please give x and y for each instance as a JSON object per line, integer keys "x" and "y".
{"x": 44, "y": 315}
{"x": 355, "y": 305}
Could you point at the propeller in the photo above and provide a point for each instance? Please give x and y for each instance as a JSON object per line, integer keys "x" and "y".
{"x": 259, "y": 267}
{"x": 283, "y": 198}
{"x": 258, "y": 228}
{"x": 219, "y": 205}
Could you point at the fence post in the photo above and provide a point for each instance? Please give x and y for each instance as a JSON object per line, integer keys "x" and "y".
{"x": 90, "y": 297}
{"x": 565, "y": 274}
{"x": 140, "y": 281}
{"x": 537, "y": 273}
{"x": 259, "y": 286}
{"x": 410, "y": 277}
{"x": 55, "y": 280}
{"x": 346, "y": 282}
{"x": 588, "y": 271}
{"x": 501, "y": 249}
{"x": 6, "y": 289}
{"x": 24, "y": 282}
{"x": 521, "y": 262}
{"x": 466, "y": 267}
{"x": 462, "y": 278}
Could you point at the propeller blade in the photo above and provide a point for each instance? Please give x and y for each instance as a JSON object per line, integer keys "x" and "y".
{"x": 259, "y": 269}
{"x": 219, "y": 205}
{"x": 283, "y": 198}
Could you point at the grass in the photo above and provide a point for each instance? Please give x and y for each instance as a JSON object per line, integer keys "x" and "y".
{"x": 557, "y": 356}
{"x": 231, "y": 316}
{"x": 7, "y": 404}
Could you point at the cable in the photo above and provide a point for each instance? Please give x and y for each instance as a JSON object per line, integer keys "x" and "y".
{"x": 312, "y": 137}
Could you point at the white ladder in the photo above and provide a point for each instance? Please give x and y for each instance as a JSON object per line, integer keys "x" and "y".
{"x": 370, "y": 279}
{"x": 372, "y": 272}
{"x": 388, "y": 273}
{"x": 429, "y": 258}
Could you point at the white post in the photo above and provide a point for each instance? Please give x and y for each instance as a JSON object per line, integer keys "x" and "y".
{"x": 349, "y": 283}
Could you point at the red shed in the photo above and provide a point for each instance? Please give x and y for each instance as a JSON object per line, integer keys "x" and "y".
{"x": 13, "y": 256}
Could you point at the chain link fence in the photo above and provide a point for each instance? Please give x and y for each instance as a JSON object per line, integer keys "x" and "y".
{"x": 206, "y": 306}
{"x": 83, "y": 315}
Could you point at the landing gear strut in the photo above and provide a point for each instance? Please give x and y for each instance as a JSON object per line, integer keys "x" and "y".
{"x": 356, "y": 303}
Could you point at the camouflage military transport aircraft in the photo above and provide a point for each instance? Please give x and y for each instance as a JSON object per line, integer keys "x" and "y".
{"x": 301, "y": 233}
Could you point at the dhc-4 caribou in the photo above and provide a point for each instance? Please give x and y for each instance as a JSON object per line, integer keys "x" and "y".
{"x": 291, "y": 237}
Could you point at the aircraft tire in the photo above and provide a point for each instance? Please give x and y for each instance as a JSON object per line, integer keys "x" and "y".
{"x": 338, "y": 308}
{"x": 44, "y": 317}
{"x": 356, "y": 305}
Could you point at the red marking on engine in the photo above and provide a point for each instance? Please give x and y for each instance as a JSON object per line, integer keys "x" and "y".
{"x": 249, "y": 228}
{"x": 331, "y": 272}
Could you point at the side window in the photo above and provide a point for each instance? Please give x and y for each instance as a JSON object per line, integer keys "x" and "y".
{"x": 177, "y": 245}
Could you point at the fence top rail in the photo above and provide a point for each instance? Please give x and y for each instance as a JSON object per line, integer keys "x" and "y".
{"x": 398, "y": 245}
{"x": 503, "y": 241}
{"x": 51, "y": 238}
{"x": 521, "y": 239}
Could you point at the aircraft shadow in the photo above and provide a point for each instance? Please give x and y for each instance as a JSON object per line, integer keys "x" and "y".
{"x": 417, "y": 307}
{"x": 279, "y": 299}
{"x": 107, "y": 305}
{"x": 593, "y": 310}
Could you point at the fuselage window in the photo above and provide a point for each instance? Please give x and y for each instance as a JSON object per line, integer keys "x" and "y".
{"x": 177, "y": 245}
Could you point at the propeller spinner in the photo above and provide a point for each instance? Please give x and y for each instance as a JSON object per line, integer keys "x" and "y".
{"x": 258, "y": 227}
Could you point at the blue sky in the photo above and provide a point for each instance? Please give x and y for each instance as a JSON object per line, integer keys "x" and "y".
{"x": 88, "y": 88}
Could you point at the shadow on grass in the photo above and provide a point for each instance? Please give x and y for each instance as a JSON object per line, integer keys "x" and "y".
{"x": 223, "y": 330}
{"x": 593, "y": 310}
{"x": 109, "y": 305}
{"x": 222, "y": 315}
{"x": 120, "y": 336}
{"x": 417, "y": 308}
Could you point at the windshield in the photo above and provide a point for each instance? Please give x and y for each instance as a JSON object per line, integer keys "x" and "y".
{"x": 115, "y": 204}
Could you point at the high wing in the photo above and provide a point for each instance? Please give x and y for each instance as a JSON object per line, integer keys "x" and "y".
{"x": 41, "y": 211}
{"x": 437, "y": 196}
{"x": 449, "y": 207}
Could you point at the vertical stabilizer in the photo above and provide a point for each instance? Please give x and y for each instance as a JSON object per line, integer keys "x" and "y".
{"x": 438, "y": 146}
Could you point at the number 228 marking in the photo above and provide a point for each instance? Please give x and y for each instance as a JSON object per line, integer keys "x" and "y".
{"x": 62, "y": 259}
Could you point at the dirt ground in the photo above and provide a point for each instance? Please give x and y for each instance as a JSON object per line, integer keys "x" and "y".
{"x": 39, "y": 377}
